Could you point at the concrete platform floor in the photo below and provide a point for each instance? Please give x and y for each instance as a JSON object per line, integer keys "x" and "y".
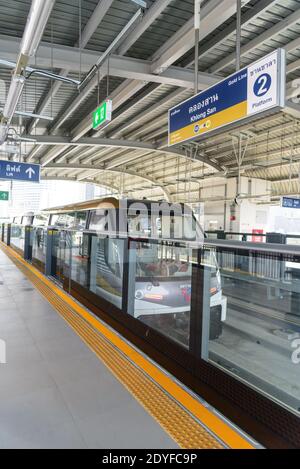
{"x": 54, "y": 392}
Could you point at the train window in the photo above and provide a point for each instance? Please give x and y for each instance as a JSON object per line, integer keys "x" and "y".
{"x": 113, "y": 255}
{"x": 26, "y": 221}
{"x": 40, "y": 219}
{"x": 98, "y": 220}
{"x": 17, "y": 220}
{"x": 163, "y": 261}
{"x": 162, "y": 290}
{"x": 53, "y": 220}
{"x": 168, "y": 227}
{"x": 104, "y": 221}
{"x": 70, "y": 220}
{"x": 107, "y": 268}
{"x": 80, "y": 220}
{"x": 139, "y": 224}
{"x": 63, "y": 220}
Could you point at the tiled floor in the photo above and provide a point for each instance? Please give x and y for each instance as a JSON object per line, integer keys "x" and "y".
{"x": 54, "y": 392}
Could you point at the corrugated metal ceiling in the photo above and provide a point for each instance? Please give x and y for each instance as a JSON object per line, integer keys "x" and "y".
{"x": 272, "y": 137}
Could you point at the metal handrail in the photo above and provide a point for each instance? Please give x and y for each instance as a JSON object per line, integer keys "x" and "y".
{"x": 271, "y": 248}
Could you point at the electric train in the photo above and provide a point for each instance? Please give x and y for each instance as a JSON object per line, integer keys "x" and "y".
{"x": 111, "y": 239}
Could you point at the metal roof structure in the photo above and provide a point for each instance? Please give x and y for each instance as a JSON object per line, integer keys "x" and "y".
{"x": 149, "y": 71}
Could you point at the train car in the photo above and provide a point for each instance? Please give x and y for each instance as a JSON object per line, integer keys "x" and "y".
{"x": 108, "y": 239}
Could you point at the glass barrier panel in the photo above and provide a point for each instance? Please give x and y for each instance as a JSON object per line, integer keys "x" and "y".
{"x": 5, "y": 231}
{"x": 161, "y": 277}
{"x": 39, "y": 247}
{"x": 295, "y": 240}
{"x": 95, "y": 263}
{"x": 17, "y": 237}
{"x": 212, "y": 235}
{"x": 61, "y": 254}
{"x": 79, "y": 261}
{"x": 234, "y": 236}
{"x": 106, "y": 268}
{"x": 259, "y": 337}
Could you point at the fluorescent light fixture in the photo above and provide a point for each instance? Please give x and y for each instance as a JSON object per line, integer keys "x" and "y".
{"x": 3, "y": 132}
{"x": 37, "y": 19}
{"x": 13, "y": 96}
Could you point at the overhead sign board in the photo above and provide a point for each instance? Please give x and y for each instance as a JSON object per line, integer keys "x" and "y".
{"x": 4, "y": 196}
{"x": 290, "y": 202}
{"x": 102, "y": 115}
{"x": 14, "y": 171}
{"x": 253, "y": 90}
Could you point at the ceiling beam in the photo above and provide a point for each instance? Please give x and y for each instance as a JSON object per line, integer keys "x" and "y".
{"x": 112, "y": 170}
{"x": 293, "y": 66}
{"x": 68, "y": 178}
{"x": 213, "y": 14}
{"x": 134, "y": 86}
{"x": 211, "y": 19}
{"x": 211, "y": 9}
{"x": 154, "y": 109}
{"x": 123, "y": 93}
{"x": 57, "y": 142}
{"x": 125, "y": 67}
{"x": 293, "y": 109}
{"x": 291, "y": 20}
{"x": 249, "y": 16}
{"x": 151, "y": 15}
{"x": 91, "y": 26}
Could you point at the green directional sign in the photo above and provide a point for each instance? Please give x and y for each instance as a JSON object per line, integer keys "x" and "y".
{"x": 102, "y": 115}
{"x": 4, "y": 195}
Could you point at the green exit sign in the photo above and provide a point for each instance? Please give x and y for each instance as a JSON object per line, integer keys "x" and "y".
{"x": 102, "y": 115}
{"x": 4, "y": 195}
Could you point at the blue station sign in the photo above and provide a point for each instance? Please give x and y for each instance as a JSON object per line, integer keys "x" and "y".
{"x": 255, "y": 89}
{"x": 14, "y": 171}
{"x": 290, "y": 202}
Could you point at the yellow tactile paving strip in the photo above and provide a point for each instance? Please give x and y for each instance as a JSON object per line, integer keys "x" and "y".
{"x": 184, "y": 418}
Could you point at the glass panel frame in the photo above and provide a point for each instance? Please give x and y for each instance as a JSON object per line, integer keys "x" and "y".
{"x": 260, "y": 338}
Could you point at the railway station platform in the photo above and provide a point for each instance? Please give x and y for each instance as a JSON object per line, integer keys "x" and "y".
{"x": 150, "y": 228}
{"x": 70, "y": 381}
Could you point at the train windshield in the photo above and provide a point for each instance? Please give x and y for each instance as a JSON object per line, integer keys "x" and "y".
{"x": 162, "y": 261}
{"x": 171, "y": 227}
{"x": 40, "y": 219}
{"x": 74, "y": 220}
{"x": 27, "y": 220}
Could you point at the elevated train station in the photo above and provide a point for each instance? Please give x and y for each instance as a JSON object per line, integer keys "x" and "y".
{"x": 150, "y": 226}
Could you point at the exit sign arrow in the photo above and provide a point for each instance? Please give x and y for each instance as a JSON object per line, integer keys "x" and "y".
{"x": 17, "y": 171}
{"x": 30, "y": 172}
{"x": 4, "y": 196}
